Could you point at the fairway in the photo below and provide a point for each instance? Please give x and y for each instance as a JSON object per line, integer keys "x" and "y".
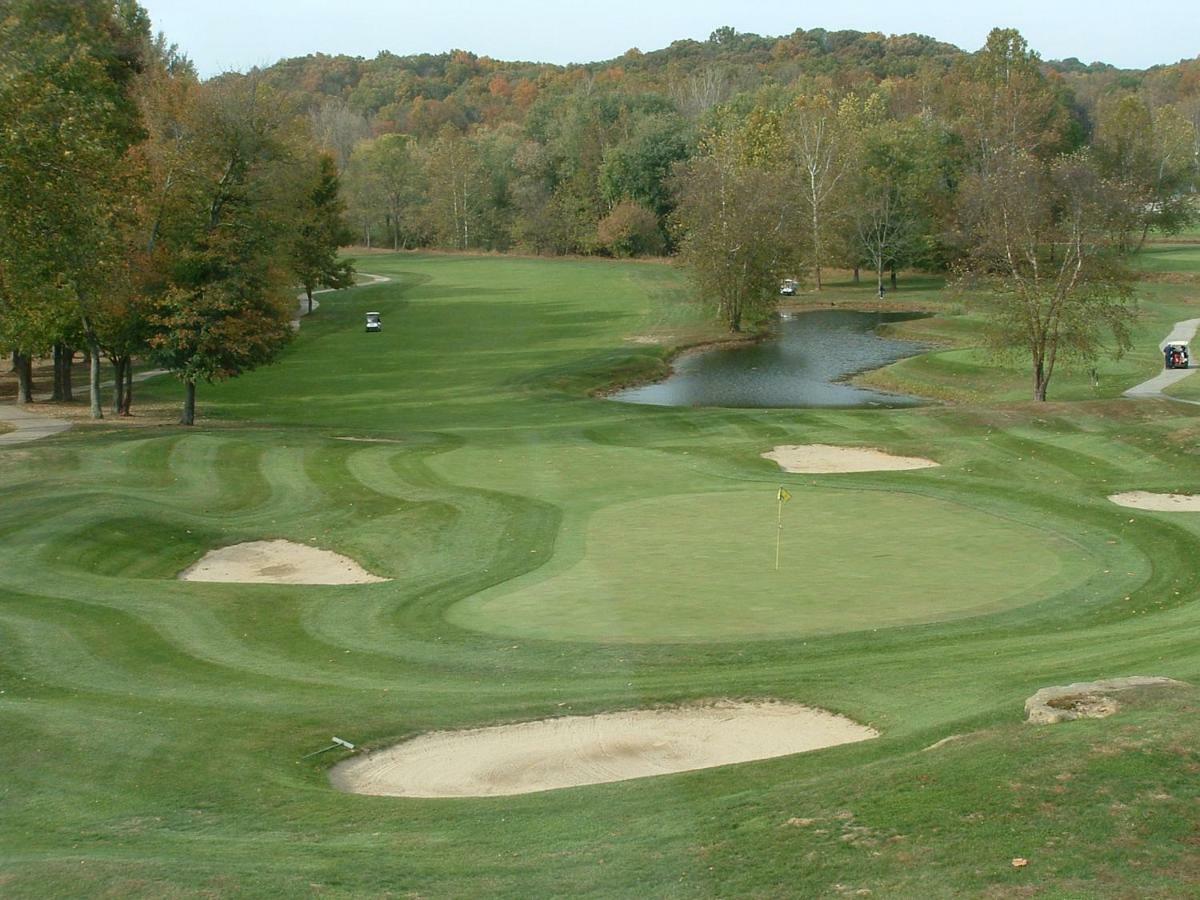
{"x": 739, "y": 468}
{"x": 701, "y": 567}
{"x": 553, "y": 555}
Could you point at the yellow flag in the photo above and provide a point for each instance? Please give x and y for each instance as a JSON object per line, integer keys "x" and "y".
{"x": 784, "y": 495}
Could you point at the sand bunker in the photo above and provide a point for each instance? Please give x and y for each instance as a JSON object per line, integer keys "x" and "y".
{"x": 277, "y": 562}
{"x": 826, "y": 459}
{"x": 1157, "y": 502}
{"x": 1085, "y": 699}
{"x": 577, "y": 750}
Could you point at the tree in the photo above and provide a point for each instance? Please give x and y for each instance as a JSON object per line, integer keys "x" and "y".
{"x": 1149, "y": 154}
{"x": 320, "y": 231}
{"x": 821, "y": 140}
{"x": 735, "y": 216}
{"x": 456, "y": 188}
{"x": 1039, "y": 234}
{"x": 1006, "y": 105}
{"x": 639, "y": 167}
{"x": 630, "y": 230}
{"x": 892, "y": 194}
{"x": 386, "y": 182}
{"x": 68, "y": 116}
{"x": 224, "y": 303}
{"x": 338, "y": 129}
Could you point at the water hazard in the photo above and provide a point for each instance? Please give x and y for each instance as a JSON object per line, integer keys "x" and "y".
{"x": 802, "y": 366}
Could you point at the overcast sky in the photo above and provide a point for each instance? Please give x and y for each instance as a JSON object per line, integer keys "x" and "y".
{"x": 236, "y": 34}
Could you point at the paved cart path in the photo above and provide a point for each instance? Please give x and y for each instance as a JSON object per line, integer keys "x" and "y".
{"x": 1183, "y": 331}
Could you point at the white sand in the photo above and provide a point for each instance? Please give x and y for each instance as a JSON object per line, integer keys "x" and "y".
{"x": 277, "y": 562}
{"x": 577, "y": 750}
{"x": 826, "y": 459}
{"x": 1157, "y": 502}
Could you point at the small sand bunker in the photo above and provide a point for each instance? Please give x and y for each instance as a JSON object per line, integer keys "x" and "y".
{"x": 1157, "y": 502}
{"x": 277, "y": 562}
{"x": 826, "y": 459}
{"x": 1085, "y": 699}
{"x": 577, "y": 750}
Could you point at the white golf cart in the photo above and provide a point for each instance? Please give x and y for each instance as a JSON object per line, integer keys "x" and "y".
{"x": 374, "y": 323}
{"x": 788, "y": 288}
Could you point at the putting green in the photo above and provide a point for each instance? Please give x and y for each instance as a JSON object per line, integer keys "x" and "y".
{"x": 700, "y": 567}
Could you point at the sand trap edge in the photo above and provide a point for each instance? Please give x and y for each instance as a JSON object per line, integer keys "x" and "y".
{"x": 573, "y": 751}
{"x": 830, "y": 459}
{"x": 277, "y": 562}
{"x": 1153, "y": 502}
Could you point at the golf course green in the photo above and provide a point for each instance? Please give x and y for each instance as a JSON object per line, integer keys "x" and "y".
{"x": 691, "y": 567}
{"x": 552, "y": 553}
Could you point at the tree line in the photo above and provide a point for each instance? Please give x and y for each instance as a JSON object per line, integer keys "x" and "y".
{"x": 578, "y": 159}
{"x": 174, "y": 217}
{"x": 147, "y": 213}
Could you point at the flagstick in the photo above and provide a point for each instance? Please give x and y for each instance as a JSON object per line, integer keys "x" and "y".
{"x": 778, "y": 531}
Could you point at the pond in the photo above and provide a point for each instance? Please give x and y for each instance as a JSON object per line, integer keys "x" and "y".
{"x": 804, "y": 365}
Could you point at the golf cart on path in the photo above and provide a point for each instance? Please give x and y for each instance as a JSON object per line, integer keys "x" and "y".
{"x": 1175, "y": 355}
{"x": 373, "y": 322}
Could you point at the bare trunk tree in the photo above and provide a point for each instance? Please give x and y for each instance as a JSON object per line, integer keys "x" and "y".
{"x": 97, "y": 411}
{"x": 188, "y": 416}
{"x": 821, "y": 142}
{"x": 64, "y": 361}
{"x": 1040, "y": 235}
{"x": 127, "y": 392}
{"x": 119, "y": 363}
{"x": 23, "y": 366}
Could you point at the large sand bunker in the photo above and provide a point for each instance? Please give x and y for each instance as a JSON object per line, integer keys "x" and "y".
{"x": 277, "y": 562}
{"x": 1157, "y": 502}
{"x": 826, "y": 459}
{"x": 577, "y": 750}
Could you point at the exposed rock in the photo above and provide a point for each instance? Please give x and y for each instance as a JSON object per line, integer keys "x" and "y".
{"x": 1085, "y": 699}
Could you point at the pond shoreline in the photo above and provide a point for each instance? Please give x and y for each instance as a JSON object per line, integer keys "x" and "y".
{"x": 775, "y": 330}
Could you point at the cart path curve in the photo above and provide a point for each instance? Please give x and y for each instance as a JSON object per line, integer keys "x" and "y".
{"x": 1153, "y": 389}
{"x": 30, "y": 426}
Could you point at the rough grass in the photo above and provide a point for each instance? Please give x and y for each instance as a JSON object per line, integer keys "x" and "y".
{"x": 153, "y": 730}
{"x": 960, "y": 370}
{"x": 1187, "y": 389}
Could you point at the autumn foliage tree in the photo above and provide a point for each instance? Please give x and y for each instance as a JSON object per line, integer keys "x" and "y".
{"x": 320, "y": 229}
{"x": 738, "y": 241}
{"x": 630, "y": 230}
{"x": 1150, "y": 156}
{"x": 68, "y": 118}
{"x": 1039, "y": 236}
{"x": 224, "y": 305}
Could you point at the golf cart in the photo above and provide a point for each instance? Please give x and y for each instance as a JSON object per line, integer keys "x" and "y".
{"x": 1175, "y": 355}
{"x": 788, "y": 288}
{"x": 373, "y": 322}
